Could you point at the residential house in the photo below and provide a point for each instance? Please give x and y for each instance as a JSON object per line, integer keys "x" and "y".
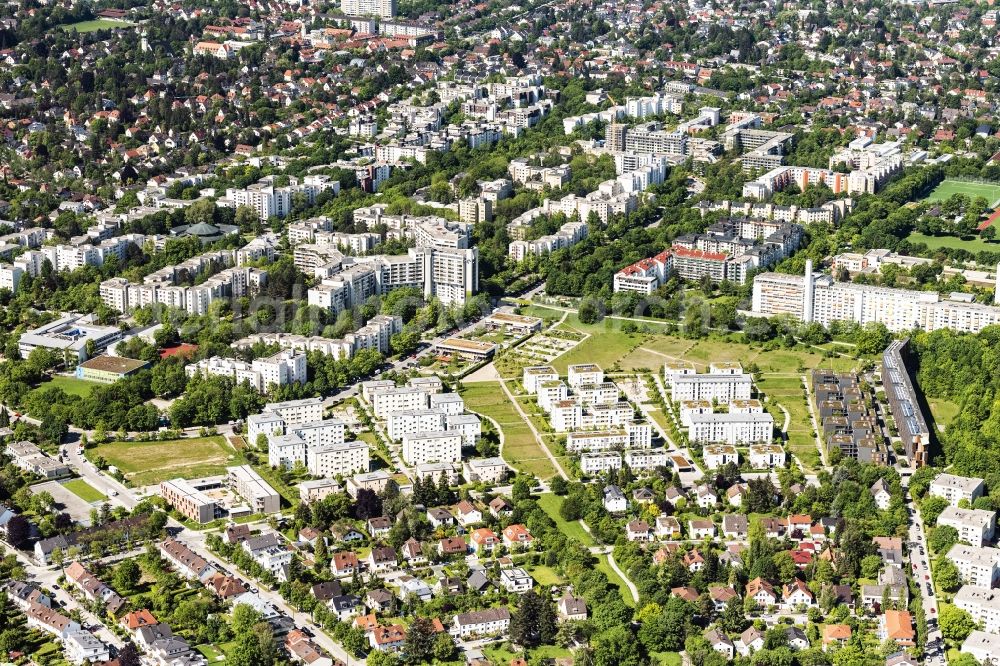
{"x": 571, "y": 608}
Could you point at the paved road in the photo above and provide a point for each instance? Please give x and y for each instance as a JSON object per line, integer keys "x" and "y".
{"x": 920, "y": 566}
{"x": 47, "y": 577}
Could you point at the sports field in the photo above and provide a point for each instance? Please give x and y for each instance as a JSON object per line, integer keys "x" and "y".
{"x": 96, "y": 24}
{"x": 146, "y": 463}
{"x": 949, "y": 188}
{"x": 973, "y": 244}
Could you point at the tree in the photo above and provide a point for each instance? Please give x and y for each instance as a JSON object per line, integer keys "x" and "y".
{"x": 534, "y": 621}
{"x": 444, "y": 647}
{"x": 420, "y": 639}
{"x": 942, "y": 538}
{"x": 931, "y": 507}
{"x": 870, "y": 566}
{"x": 521, "y": 490}
{"x": 245, "y": 618}
{"x": 873, "y": 338}
{"x": 733, "y": 620}
{"x": 616, "y": 647}
{"x": 127, "y": 576}
{"x": 946, "y": 575}
{"x": 956, "y": 623}
{"x": 18, "y": 531}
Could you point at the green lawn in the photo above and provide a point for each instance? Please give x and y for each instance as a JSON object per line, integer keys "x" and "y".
{"x": 788, "y": 392}
{"x": 550, "y": 504}
{"x": 85, "y": 491}
{"x": 546, "y": 576}
{"x": 953, "y": 242}
{"x": 944, "y": 411}
{"x": 146, "y": 463}
{"x": 96, "y": 24}
{"x": 949, "y": 188}
{"x": 520, "y": 448}
{"x": 498, "y": 655}
{"x": 604, "y": 567}
{"x": 666, "y": 658}
{"x": 213, "y": 654}
{"x": 71, "y": 385}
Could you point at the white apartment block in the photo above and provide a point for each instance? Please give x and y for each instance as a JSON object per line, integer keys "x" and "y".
{"x": 412, "y": 421}
{"x": 640, "y": 435}
{"x": 974, "y": 526}
{"x": 982, "y": 604}
{"x": 983, "y": 646}
{"x": 608, "y": 416}
{"x": 387, "y": 401}
{"x": 688, "y": 408}
{"x": 550, "y": 393}
{"x": 437, "y": 446}
{"x": 285, "y": 450}
{"x": 717, "y": 455}
{"x": 584, "y": 373}
{"x": 264, "y": 424}
{"x": 598, "y": 462}
{"x": 278, "y": 370}
{"x": 577, "y": 442}
{"x": 534, "y": 375}
{"x": 957, "y": 488}
{"x": 487, "y": 470}
{"x": 343, "y": 459}
{"x": 566, "y": 415}
{"x": 468, "y": 424}
{"x": 295, "y": 412}
{"x": 719, "y": 388}
{"x": 646, "y": 459}
{"x": 977, "y": 565}
{"x": 450, "y": 403}
{"x": 380, "y": 8}
{"x": 766, "y": 456}
{"x": 320, "y": 433}
{"x": 731, "y": 428}
{"x": 597, "y": 394}
{"x": 821, "y": 299}
{"x": 451, "y": 274}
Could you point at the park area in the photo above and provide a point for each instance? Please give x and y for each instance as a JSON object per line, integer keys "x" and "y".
{"x": 148, "y": 463}
{"x": 71, "y": 385}
{"x": 519, "y": 446}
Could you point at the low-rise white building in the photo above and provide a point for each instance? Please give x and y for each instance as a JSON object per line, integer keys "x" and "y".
{"x": 973, "y": 525}
{"x": 434, "y": 446}
{"x": 977, "y": 565}
{"x": 957, "y": 488}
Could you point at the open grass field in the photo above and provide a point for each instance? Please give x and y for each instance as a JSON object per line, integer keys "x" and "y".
{"x": 71, "y": 385}
{"x": 788, "y": 392}
{"x": 85, "y": 491}
{"x": 943, "y": 411}
{"x": 953, "y": 242}
{"x": 550, "y": 505}
{"x": 949, "y": 188}
{"x": 146, "y": 463}
{"x": 497, "y": 654}
{"x": 604, "y": 567}
{"x": 95, "y": 25}
{"x": 657, "y": 349}
{"x": 546, "y": 576}
{"x": 520, "y": 448}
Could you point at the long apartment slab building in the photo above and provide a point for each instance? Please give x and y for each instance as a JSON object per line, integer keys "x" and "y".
{"x": 818, "y": 297}
{"x": 376, "y": 334}
{"x": 724, "y": 383}
{"x": 901, "y": 394}
{"x": 728, "y": 250}
{"x": 170, "y": 285}
{"x": 283, "y": 368}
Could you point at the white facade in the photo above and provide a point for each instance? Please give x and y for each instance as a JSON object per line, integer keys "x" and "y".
{"x": 438, "y": 446}
{"x": 342, "y": 459}
{"x": 721, "y": 388}
{"x": 956, "y": 488}
{"x": 977, "y": 566}
{"x": 720, "y": 454}
{"x": 973, "y": 525}
{"x": 413, "y": 421}
{"x": 386, "y": 402}
{"x": 731, "y": 428}
{"x": 983, "y": 604}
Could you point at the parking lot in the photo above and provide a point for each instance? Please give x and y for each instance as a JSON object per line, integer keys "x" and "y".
{"x": 66, "y": 501}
